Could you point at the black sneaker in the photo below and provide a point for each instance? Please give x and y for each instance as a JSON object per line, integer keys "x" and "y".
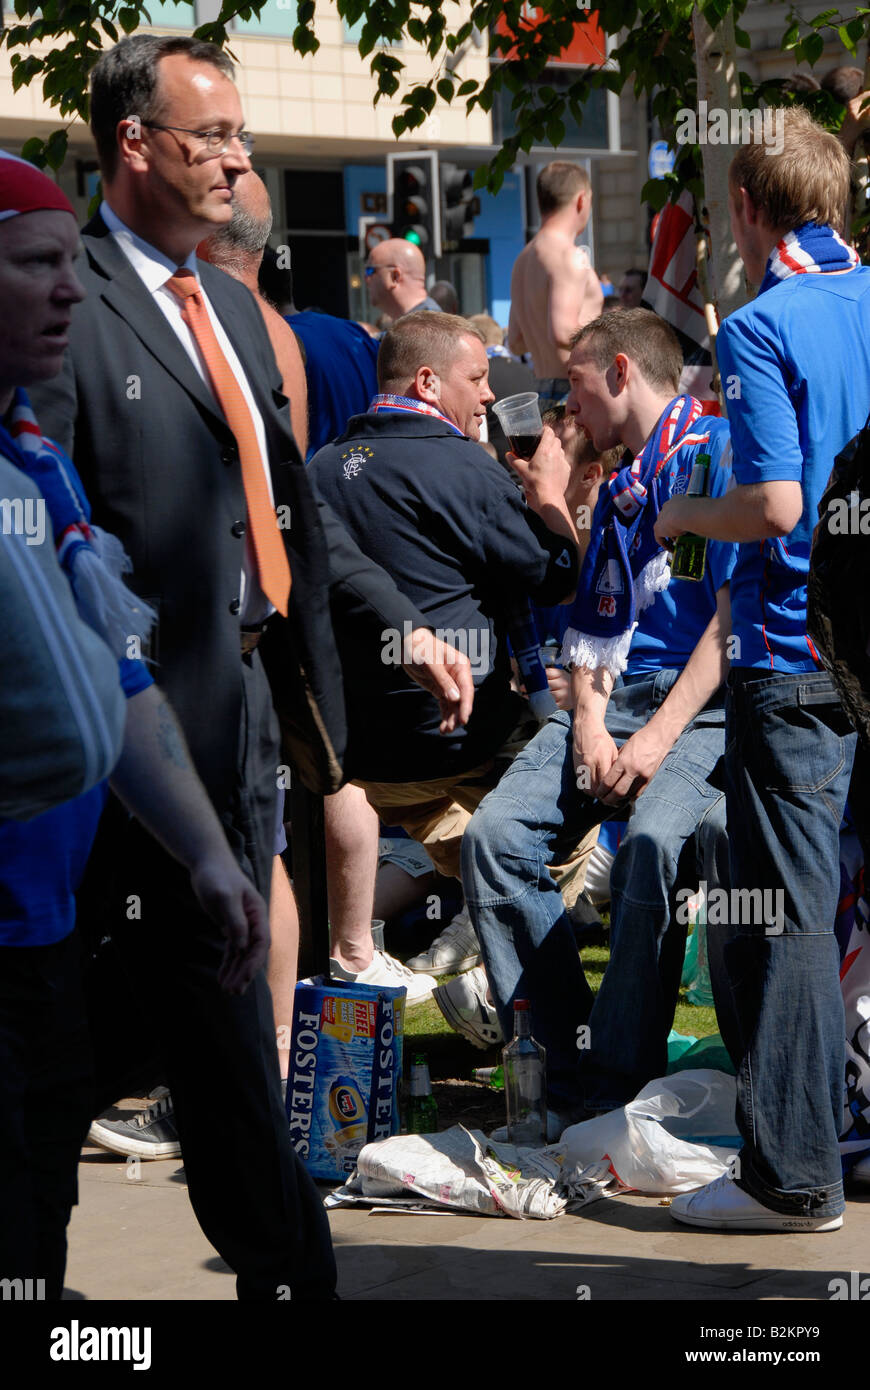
{"x": 150, "y": 1134}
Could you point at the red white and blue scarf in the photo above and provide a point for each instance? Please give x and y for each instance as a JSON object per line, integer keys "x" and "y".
{"x": 386, "y": 403}
{"x": 92, "y": 559}
{"x": 814, "y": 248}
{"x": 625, "y": 567}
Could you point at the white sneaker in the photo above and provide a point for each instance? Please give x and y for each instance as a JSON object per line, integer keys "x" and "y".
{"x": 386, "y": 970}
{"x": 723, "y": 1206}
{"x": 455, "y": 950}
{"x": 149, "y": 1134}
{"x": 464, "y": 1004}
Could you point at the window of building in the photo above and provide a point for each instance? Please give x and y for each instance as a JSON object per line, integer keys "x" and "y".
{"x": 352, "y": 33}
{"x": 277, "y": 19}
{"x": 592, "y": 135}
{"x": 167, "y": 15}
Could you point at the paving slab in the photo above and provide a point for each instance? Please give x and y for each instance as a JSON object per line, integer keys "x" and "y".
{"x": 134, "y": 1237}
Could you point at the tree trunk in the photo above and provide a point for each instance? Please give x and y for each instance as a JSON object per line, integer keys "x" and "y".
{"x": 718, "y": 86}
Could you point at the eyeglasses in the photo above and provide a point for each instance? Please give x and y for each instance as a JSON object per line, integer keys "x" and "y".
{"x": 370, "y": 269}
{"x": 215, "y": 141}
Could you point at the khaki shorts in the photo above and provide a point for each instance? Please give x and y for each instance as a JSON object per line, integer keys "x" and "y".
{"x": 435, "y": 813}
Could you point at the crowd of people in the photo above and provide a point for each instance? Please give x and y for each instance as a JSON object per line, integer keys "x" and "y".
{"x": 341, "y": 584}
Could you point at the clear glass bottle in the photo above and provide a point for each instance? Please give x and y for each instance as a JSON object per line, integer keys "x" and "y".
{"x": 422, "y": 1110}
{"x": 525, "y": 1082}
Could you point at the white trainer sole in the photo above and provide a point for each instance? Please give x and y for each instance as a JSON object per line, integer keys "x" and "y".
{"x": 130, "y": 1148}
{"x": 453, "y": 969}
{"x": 459, "y": 1024}
{"x": 772, "y": 1221}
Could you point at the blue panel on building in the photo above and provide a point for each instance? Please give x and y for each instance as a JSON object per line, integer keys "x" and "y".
{"x": 359, "y": 179}
{"x": 502, "y": 221}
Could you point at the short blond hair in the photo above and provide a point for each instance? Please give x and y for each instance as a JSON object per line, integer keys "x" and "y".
{"x": 559, "y": 183}
{"x": 421, "y": 339}
{"x": 642, "y": 336}
{"x": 807, "y": 181}
{"x": 493, "y": 333}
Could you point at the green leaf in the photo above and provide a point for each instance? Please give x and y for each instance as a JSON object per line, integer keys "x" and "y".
{"x": 556, "y": 133}
{"x": 742, "y": 38}
{"x": 32, "y": 150}
{"x": 856, "y": 29}
{"x": 25, "y": 70}
{"x": 110, "y": 29}
{"x": 791, "y": 36}
{"x": 814, "y": 47}
{"x": 304, "y": 41}
{"x": 417, "y": 30}
{"x": 55, "y": 149}
{"x": 445, "y": 89}
{"x": 128, "y": 18}
{"x": 469, "y": 86}
{"x": 845, "y": 38}
{"x": 655, "y": 192}
{"x": 822, "y": 19}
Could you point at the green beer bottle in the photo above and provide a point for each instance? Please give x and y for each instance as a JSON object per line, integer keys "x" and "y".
{"x": 422, "y": 1110}
{"x": 690, "y": 551}
{"x": 490, "y": 1076}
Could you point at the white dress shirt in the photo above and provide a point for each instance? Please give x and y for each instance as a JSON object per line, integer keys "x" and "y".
{"x": 154, "y": 270}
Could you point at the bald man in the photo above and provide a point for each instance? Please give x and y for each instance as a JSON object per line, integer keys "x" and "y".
{"x": 237, "y": 248}
{"x": 396, "y": 278}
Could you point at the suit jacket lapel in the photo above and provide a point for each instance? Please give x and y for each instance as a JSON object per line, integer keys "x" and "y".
{"x": 129, "y": 298}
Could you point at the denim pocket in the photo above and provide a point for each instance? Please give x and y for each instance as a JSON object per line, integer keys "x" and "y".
{"x": 797, "y": 746}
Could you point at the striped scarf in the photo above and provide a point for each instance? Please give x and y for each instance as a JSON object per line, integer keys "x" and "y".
{"x": 385, "y": 402}
{"x": 92, "y": 559}
{"x": 814, "y": 248}
{"x": 625, "y": 567}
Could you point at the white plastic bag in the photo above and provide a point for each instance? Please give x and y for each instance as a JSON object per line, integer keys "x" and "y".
{"x": 675, "y": 1136}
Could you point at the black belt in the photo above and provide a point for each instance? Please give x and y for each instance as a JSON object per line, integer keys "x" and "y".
{"x": 250, "y": 636}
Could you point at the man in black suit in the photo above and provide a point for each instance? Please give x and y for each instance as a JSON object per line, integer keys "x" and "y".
{"x": 141, "y": 407}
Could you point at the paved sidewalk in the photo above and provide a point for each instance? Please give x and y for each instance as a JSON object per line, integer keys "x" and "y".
{"x": 135, "y": 1237}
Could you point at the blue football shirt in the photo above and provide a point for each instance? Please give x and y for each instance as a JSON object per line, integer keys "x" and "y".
{"x": 795, "y": 364}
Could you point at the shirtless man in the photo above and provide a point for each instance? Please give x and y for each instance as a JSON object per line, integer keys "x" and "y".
{"x": 554, "y": 290}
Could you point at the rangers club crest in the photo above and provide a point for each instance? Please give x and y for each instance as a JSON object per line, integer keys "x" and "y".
{"x": 353, "y": 460}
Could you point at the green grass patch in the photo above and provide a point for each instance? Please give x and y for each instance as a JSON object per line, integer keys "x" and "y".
{"x": 452, "y": 1055}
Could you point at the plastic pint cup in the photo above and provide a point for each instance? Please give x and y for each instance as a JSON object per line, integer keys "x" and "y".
{"x": 520, "y": 418}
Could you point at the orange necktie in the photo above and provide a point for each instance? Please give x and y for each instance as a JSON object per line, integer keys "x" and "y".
{"x": 272, "y": 566}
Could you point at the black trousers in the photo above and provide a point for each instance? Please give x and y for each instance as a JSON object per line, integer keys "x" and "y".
{"x": 251, "y": 1194}
{"x": 45, "y": 1108}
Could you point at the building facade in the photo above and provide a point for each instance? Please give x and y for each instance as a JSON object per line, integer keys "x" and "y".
{"x": 322, "y": 143}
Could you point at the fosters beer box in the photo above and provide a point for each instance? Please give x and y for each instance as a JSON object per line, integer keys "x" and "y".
{"x": 345, "y": 1064}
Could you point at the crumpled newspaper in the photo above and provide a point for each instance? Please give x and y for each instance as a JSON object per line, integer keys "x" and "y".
{"x": 461, "y": 1169}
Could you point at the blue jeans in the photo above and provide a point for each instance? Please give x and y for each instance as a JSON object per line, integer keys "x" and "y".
{"x": 536, "y": 815}
{"x": 790, "y": 754}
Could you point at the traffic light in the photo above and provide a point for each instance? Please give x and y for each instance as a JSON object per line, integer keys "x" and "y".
{"x": 412, "y": 183}
{"x": 460, "y": 206}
